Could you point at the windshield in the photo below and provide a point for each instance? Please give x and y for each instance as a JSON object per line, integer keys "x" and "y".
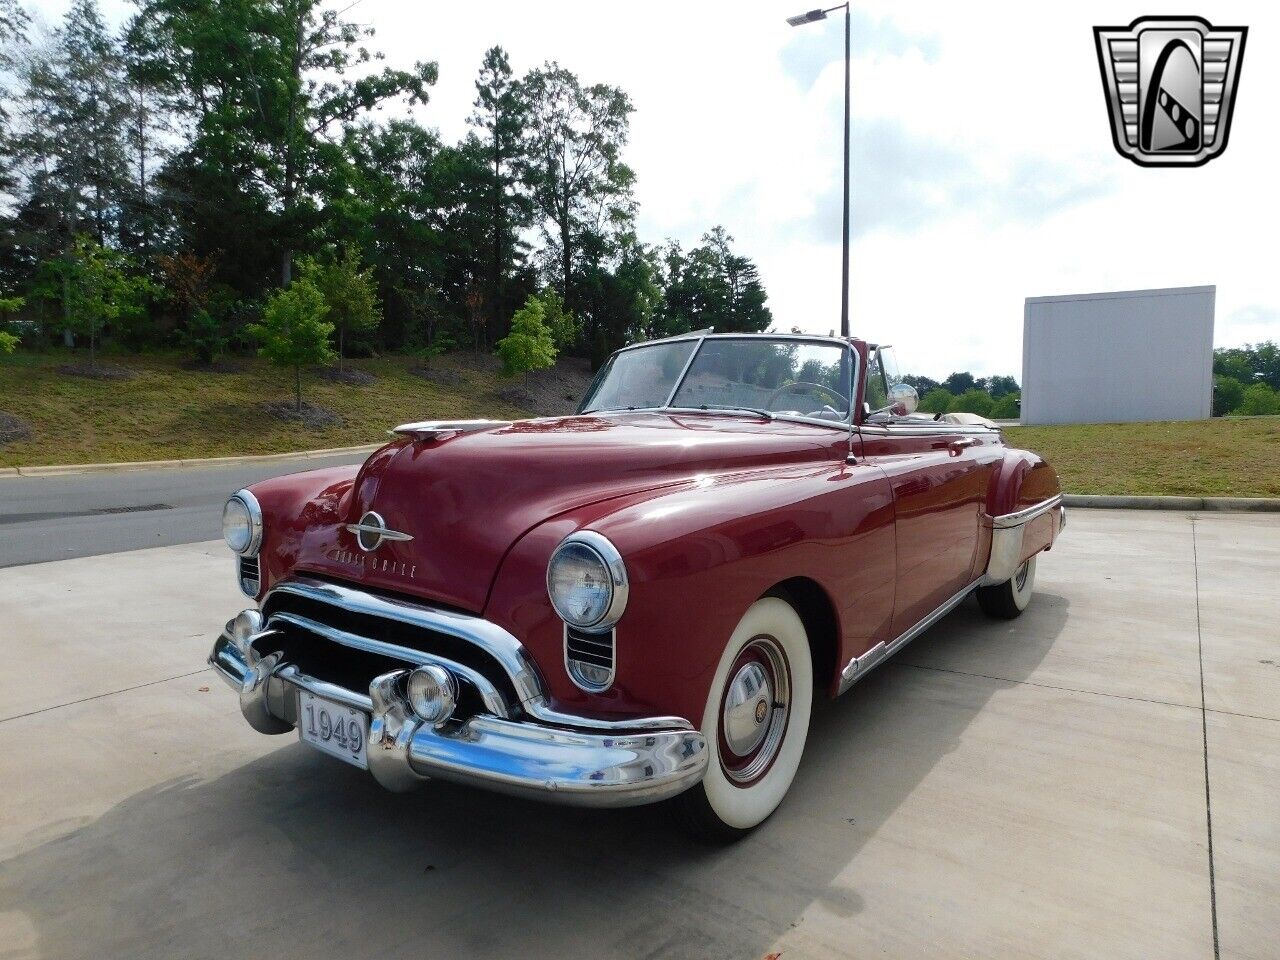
{"x": 782, "y": 376}
{"x": 636, "y": 379}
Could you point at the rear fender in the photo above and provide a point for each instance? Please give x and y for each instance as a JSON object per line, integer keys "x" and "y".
{"x": 1022, "y": 516}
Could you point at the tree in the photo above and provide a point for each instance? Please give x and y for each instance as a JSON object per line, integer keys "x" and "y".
{"x": 349, "y": 292}
{"x": 972, "y": 401}
{"x": 1006, "y": 408}
{"x": 1259, "y": 401}
{"x": 266, "y": 82}
{"x": 1001, "y": 386}
{"x": 293, "y": 331}
{"x": 1228, "y": 393}
{"x": 959, "y": 383}
{"x": 500, "y": 115}
{"x": 9, "y": 342}
{"x": 529, "y": 345}
{"x": 95, "y": 288}
{"x": 560, "y": 323}
{"x": 937, "y": 400}
{"x": 711, "y": 286}
{"x": 575, "y": 175}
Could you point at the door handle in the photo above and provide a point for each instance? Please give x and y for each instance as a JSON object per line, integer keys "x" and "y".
{"x": 957, "y": 446}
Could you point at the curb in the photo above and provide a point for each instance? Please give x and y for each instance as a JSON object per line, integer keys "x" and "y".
{"x": 73, "y": 468}
{"x": 1241, "y": 504}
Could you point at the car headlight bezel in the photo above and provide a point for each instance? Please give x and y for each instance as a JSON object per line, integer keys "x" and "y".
{"x": 613, "y": 572}
{"x": 251, "y": 520}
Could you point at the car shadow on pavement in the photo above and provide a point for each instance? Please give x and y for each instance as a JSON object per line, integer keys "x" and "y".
{"x": 295, "y": 855}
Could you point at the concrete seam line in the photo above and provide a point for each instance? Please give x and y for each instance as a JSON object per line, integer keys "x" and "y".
{"x": 128, "y": 465}
{"x": 99, "y": 696}
{"x": 1204, "y": 732}
{"x": 1124, "y": 502}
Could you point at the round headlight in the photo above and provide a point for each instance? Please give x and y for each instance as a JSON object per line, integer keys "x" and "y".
{"x": 587, "y": 582}
{"x": 242, "y": 523}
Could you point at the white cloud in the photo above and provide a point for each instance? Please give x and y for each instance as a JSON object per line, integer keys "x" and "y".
{"x": 984, "y": 171}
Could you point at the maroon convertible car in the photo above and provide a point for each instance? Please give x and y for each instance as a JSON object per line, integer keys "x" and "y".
{"x": 637, "y": 603}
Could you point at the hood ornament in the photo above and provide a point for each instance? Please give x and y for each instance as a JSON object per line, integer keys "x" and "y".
{"x": 372, "y": 530}
{"x": 444, "y": 429}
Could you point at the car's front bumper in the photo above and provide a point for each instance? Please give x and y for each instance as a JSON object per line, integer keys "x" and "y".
{"x": 586, "y": 767}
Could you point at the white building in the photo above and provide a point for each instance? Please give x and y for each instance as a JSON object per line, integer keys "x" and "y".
{"x": 1118, "y": 357}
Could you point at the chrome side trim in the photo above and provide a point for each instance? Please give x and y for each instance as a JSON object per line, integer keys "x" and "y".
{"x": 924, "y": 429}
{"x": 493, "y": 699}
{"x": 1023, "y": 516}
{"x": 489, "y": 637}
{"x": 858, "y": 667}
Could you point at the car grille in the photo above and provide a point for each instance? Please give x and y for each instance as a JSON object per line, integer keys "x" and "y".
{"x": 386, "y": 630}
{"x": 589, "y": 658}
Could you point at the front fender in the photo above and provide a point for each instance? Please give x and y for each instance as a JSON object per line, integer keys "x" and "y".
{"x": 697, "y": 557}
{"x": 292, "y": 505}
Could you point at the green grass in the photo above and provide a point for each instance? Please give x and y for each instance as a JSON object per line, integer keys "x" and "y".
{"x": 166, "y": 412}
{"x": 1198, "y": 458}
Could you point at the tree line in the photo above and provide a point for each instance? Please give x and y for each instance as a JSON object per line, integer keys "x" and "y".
{"x": 167, "y": 181}
{"x": 1246, "y": 380}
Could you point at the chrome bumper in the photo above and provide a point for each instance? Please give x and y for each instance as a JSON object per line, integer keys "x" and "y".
{"x": 1006, "y": 538}
{"x": 604, "y": 767}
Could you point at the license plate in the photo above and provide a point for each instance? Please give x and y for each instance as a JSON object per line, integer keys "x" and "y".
{"x": 338, "y": 730}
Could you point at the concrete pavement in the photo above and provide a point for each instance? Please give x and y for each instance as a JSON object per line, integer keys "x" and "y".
{"x": 80, "y": 515}
{"x": 1027, "y": 789}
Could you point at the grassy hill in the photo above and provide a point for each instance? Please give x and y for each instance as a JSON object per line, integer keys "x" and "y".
{"x": 165, "y": 411}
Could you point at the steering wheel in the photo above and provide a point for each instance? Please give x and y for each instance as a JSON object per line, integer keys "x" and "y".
{"x": 807, "y": 388}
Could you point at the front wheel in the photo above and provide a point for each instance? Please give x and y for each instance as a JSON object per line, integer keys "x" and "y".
{"x": 1007, "y": 600}
{"x": 756, "y": 721}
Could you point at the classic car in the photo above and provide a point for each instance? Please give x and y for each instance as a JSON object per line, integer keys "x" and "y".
{"x": 636, "y": 603}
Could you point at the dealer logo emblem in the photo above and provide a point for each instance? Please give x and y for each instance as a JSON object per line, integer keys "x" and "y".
{"x": 372, "y": 530}
{"x": 1170, "y": 84}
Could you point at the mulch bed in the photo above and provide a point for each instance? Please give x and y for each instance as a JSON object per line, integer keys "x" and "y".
{"x": 448, "y": 378}
{"x": 349, "y": 376}
{"x": 12, "y": 428}
{"x": 101, "y": 371}
{"x": 312, "y": 416}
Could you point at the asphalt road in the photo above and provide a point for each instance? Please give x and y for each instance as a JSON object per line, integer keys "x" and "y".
{"x": 86, "y": 514}
{"x": 1033, "y": 788}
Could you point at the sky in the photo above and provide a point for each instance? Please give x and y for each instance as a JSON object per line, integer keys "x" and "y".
{"x": 982, "y": 165}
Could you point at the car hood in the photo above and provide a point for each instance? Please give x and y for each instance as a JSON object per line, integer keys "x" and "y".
{"x": 466, "y": 499}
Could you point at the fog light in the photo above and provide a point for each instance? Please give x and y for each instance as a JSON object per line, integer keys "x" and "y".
{"x": 432, "y": 693}
{"x": 245, "y": 625}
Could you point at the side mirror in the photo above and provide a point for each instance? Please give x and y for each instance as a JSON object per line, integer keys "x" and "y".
{"x": 903, "y": 399}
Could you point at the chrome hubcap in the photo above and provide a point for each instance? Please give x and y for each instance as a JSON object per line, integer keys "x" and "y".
{"x": 754, "y": 711}
{"x": 746, "y": 709}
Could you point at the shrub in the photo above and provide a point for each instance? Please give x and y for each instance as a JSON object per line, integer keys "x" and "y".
{"x": 351, "y": 294}
{"x": 293, "y": 331}
{"x": 1259, "y": 401}
{"x": 972, "y": 401}
{"x": 937, "y": 400}
{"x": 205, "y": 336}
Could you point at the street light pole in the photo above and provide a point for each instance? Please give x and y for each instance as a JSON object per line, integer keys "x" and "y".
{"x": 796, "y": 21}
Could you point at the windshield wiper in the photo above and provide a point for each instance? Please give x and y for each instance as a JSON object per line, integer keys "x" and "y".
{"x": 714, "y": 407}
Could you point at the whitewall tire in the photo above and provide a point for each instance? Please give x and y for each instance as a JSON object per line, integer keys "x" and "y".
{"x": 756, "y": 721}
{"x": 1007, "y": 600}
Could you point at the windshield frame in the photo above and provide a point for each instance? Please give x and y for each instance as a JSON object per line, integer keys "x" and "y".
{"x": 701, "y": 339}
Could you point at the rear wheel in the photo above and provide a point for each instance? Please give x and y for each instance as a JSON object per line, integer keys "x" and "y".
{"x": 756, "y": 721}
{"x": 1007, "y": 600}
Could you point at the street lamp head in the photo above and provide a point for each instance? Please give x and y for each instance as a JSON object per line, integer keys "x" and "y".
{"x": 812, "y": 16}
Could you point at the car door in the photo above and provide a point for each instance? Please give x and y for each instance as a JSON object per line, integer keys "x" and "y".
{"x": 938, "y": 473}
